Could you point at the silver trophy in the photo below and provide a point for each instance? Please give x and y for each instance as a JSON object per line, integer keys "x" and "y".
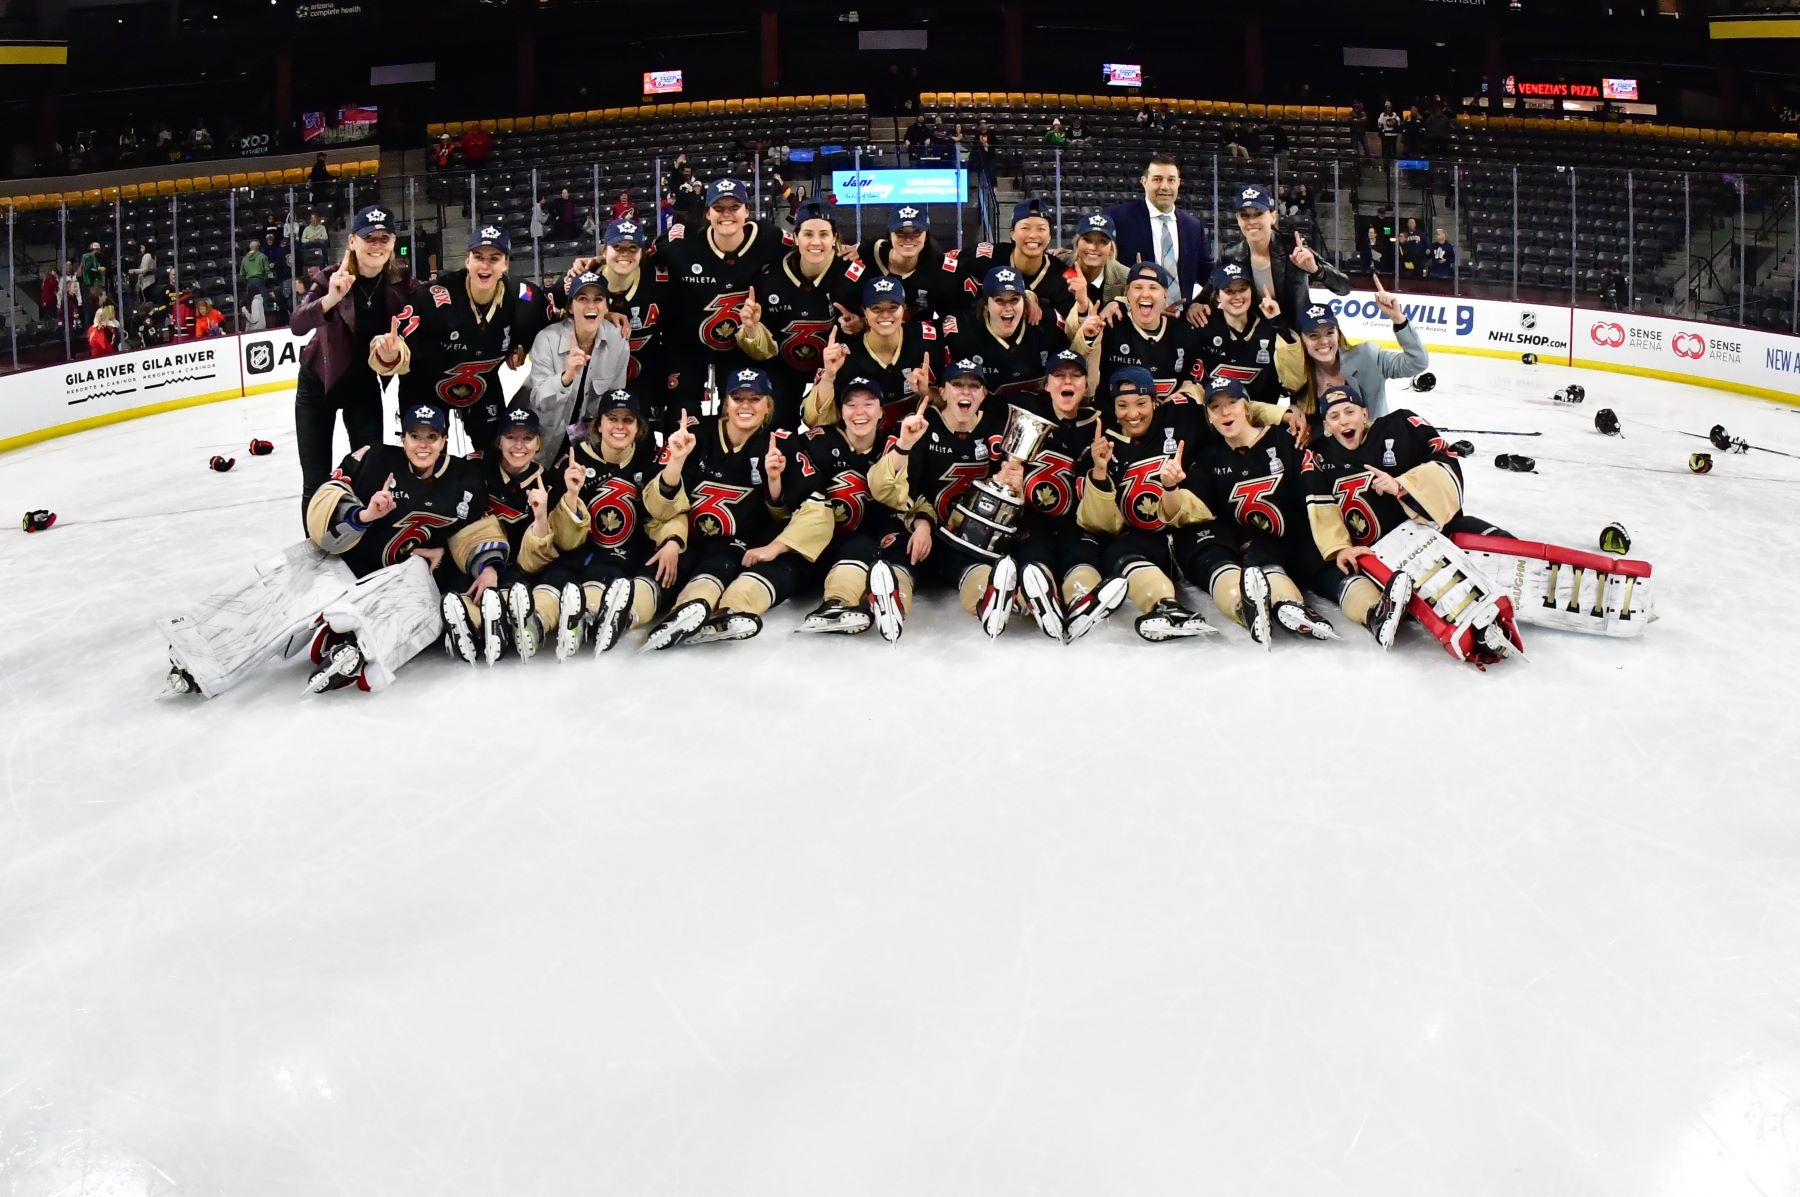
{"x": 986, "y": 518}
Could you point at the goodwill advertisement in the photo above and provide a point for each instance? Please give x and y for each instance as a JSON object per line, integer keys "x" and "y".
{"x": 1486, "y": 327}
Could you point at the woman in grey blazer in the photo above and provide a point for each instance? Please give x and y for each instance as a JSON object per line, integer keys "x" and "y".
{"x": 574, "y": 362}
{"x": 1324, "y": 357}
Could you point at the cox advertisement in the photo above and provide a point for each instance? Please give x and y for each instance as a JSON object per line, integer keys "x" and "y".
{"x": 900, "y": 186}
{"x": 1486, "y": 326}
{"x": 1740, "y": 359}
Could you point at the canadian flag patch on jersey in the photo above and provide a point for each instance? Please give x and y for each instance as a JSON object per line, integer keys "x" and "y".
{"x": 853, "y": 271}
{"x": 928, "y": 330}
{"x": 662, "y": 274}
{"x": 950, "y": 260}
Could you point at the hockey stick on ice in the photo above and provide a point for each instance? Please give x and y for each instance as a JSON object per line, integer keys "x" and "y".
{"x": 1491, "y": 431}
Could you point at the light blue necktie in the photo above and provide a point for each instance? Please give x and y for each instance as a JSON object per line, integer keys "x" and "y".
{"x": 1166, "y": 253}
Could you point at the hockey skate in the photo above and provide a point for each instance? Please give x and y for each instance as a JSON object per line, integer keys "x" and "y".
{"x": 178, "y": 683}
{"x": 1039, "y": 591}
{"x": 995, "y": 607}
{"x": 1169, "y": 620}
{"x": 834, "y": 616}
{"x": 570, "y": 614}
{"x": 1253, "y": 605}
{"x": 677, "y": 626}
{"x": 1091, "y": 609}
{"x": 1383, "y": 621}
{"x": 884, "y": 602}
{"x": 1302, "y": 620}
{"x": 723, "y": 626}
{"x": 523, "y": 621}
{"x": 342, "y": 666}
{"x": 614, "y": 617}
{"x": 493, "y": 626}
{"x": 459, "y": 636}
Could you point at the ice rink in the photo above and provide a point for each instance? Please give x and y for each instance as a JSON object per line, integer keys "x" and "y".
{"x": 818, "y": 916}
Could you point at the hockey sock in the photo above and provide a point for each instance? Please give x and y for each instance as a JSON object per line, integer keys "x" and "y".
{"x": 974, "y": 585}
{"x": 1228, "y": 592}
{"x": 705, "y": 588}
{"x": 643, "y": 602}
{"x": 1146, "y": 585}
{"x": 547, "y": 604}
{"x": 748, "y": 594}
{"x": 593, "y": 595}
{"x": 903, "y": 586}
{"x": 1359, "y": 598}
{"x": 1078, "y": 582}
{"x": 474, "y": 609}
{"x": 1282, "y": 589}
{"x": 847, "y": 582}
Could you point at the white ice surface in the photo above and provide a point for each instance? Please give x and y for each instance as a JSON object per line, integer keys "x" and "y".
{"x": 816, "y": 916}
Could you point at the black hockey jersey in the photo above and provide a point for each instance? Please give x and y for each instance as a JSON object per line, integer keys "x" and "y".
{"x": 1053, "y": 477}
{"x": 798, "y": 315}
{"x": 1396, "y": 444}
{"x": 933, "y": 290}
{"x": 1049, "y": 283}
{"x": 728, "y": 489}
{"x": 1248, "y": 356}
{"x": 614, "y": 521}
{"x": 1168, "y": 352}
{"x": 448, "y": 510}
{"x": 506, "y": 500}
{"x": 919, "y": 342}
{"x": 648, "y": 303}
{"x": 1258, "y": 489}
{"x": 710, "y": 286}
{"x": 457, "y": 351}
{"x": 832, "y": 472}
{"x": 1012, "y": 365}
{"x": 1136, "y": 467}
{"x": 944, "y": 463}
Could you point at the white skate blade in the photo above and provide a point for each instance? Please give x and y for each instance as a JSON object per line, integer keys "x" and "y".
{"x": 884, "y": 602}
{"x": 1094, "y": 609}
{"x": 569, "y": 613}
{"x": 680, "y": 624}
{"x": 493, "y": 636}
{"x": 459, "y": 639}
{"x": 996, "y": 604}
{"x": 1255, "y": 587}
{"x": 615, "y": 614}
{"x": 1040, "y": 599}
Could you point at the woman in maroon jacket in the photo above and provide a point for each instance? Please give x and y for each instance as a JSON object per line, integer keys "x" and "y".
{"x": 349, "y": 308}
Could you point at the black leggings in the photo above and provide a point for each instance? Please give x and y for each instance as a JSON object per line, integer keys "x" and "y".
{"x": 315, "y": 418}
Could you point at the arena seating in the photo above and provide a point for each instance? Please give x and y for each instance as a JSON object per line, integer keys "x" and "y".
{"x": 625, "y": 143}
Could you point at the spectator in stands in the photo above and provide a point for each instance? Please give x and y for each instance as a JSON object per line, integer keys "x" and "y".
{"x": 1152, "y": 230}
{"x": 979, "y": 157}
{"x": 129, "y": 153}
{"x": 623, "y": 208}
{"x": 276, "y": 250}
{"x": 208, "y": 320}
{"x": 50, "y": 295}
{"x": 1303, "y": 199}
{"x": 103, "y": 333}
{"x": 1438, "y": 128}
{"x": 1233, "y": 139}
{"x": 144, "y": 272}
{"x": 1096, "y": 261}
{"x": 1412, "y": 132}
{"x": 666, "y": 215}
{"x": 476, "y": 143}
{"x": 443, "y": 152}
{"x": 1055, "y": 135}
{"x": 1613, "y": 291}
{"x": 565, "y": 222}
{"x": 253, "y": 270}
{"x": 1412, "y": 249}
{"x": 1278, "y": 261}
{"x": 93, "y": 277}
{"x": 1442, "y": 256}
{"x": 1388, "y": 125}
{"x": 1373, "y": 258}
{"x": 1077, "y": 130}
{"x": 315, "y": 241}
{"x": 917, "y": 137}
{"x": 254, "y": 316}
{"x": 201, "y": 139}
{"x": 321, "y": 172}
{"x": 73, "y": 311}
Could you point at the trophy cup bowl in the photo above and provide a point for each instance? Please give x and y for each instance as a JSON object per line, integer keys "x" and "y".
{"x": 986, "y": 518}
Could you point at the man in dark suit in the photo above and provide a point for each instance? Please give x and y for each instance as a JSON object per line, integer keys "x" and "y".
{"x": 1152, "y": 230}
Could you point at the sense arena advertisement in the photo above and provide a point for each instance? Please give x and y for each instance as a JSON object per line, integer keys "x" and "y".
{"x": 1751, "y": 360}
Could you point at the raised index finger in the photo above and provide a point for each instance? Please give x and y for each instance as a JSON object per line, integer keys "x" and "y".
{"x": 924, "y": 402}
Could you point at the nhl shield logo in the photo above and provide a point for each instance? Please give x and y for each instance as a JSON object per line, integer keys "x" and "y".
{"x": 259, "y": 358}
{"x": 1528, "y": 320}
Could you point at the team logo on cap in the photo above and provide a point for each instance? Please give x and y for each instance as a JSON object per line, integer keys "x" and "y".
{"x": 1233, "y": 270}
{"x": 626, "y": 226}
{"x": 1005, "y": 276}
{"x": 1251, "y": 192}
{"x": 424, "y": 413}
{"x": 377, "y": 214}
{"x": 746, "y": 375}
{"x": 1316, "y": 312}
{"x": 908, "y": 214}
{"x": 726, "y": 186}
{"x": 860, "y": 381}
{"x": 1096, "y": 221}
{"x": 489, "y": 231}
{"x": 968, "y": 363}
{"x": 884, "y": 284}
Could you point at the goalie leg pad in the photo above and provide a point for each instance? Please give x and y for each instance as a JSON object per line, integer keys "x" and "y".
{"x": 394, "y": 614}
{"x": 1558, "y": 587}
{"x": 1452, "y": 598}
{"x": 222, "y": 638}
